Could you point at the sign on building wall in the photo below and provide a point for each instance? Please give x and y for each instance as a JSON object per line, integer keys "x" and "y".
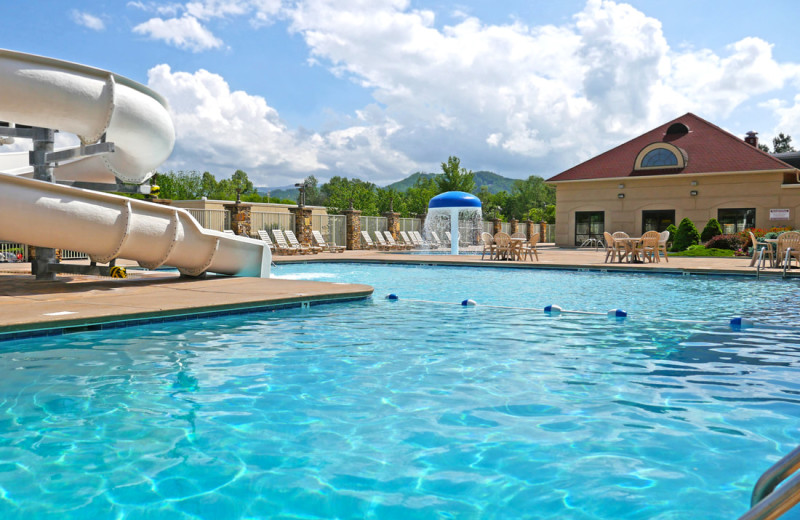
{"x": 779, "y": 214}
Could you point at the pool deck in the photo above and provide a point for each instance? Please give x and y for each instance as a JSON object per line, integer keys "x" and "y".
{"x": 73, "y": 302}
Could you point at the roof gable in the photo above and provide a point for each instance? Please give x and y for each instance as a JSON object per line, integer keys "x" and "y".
{"x": 708, "y": 149}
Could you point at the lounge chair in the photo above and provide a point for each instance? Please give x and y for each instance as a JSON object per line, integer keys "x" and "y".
{"x": 421, "y": 242}
{"x": 382, "y": 243}
{"x": 407, "y": 240}
{"x": 370, "y": 244}
{"x": 788, "y": 247}
{"x": 320, "y": 240}
{"x": 767, "y": 251}
{"x": 529, "y": 248}
{"x": 662, "y": 244}
{"x": 435, "y": 241}
{"x": 648, "y": 246}
{"x": 281, "y": 245}
{"x": 390, "y": 240}
{"x": 296, "y": 243}
{"x": 263, "y": 235}
{"x": 488, "y": 245}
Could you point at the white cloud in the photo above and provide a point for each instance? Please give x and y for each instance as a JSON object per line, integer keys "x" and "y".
{"x": 88, "y": 20}
{"x": 185, "y": 33}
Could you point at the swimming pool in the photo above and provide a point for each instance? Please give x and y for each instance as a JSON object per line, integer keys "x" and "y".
{"x": 407, "y": 409}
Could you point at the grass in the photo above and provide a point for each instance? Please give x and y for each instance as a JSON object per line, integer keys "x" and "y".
{"x": 704, "y": 251}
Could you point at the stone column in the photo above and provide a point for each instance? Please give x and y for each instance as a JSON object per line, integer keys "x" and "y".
{"x": 514, "y": 225}
{"x": 542, "y": 230}
{"x": 353, "y": 229}
{"x": 393, "y": 223}
{"x": 497, "y": 226}
{"x": 302, "y": 224}
{"x": 529, "y": 231}
{"x": 240, "y": 218}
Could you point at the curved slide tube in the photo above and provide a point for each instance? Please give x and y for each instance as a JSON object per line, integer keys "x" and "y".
{"x": 91, "y": 103}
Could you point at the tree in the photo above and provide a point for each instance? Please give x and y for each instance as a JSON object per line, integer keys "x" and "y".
{"x": 387, "y": 199}
{"x": 178, "y": 185}
{"x": 240, "y": 183}
{"x": 340, "y": 190}
{"x": 686, "y": 236}
{"x": 763, "y": 147}
{"x": 314, "y": 196}
{"x": 526, "y": 195}
{"x": 782, "y": 144}
{"x": 454, "y": 177}
{"x": 711, "y": 230}
{"x": 419, "y": 195}
{"x": 208, "y": 185}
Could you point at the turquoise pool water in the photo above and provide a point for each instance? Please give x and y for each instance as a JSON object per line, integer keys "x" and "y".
{"x": 407, "y": 409}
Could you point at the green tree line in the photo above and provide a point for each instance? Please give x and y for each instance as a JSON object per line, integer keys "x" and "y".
{"x": 530, "y": 198}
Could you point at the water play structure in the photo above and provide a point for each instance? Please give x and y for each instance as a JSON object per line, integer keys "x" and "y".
{"x": 448, "y": 209}
{"x": 125, "y": 131}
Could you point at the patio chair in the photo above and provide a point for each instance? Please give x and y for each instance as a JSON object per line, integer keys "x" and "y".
{"x": 435, "y": 241}
{"x": 281, "y": 245}
{"x": 368, "y": 241}
{"x": 390, "y": 240}
{"x": 662, "y": 244}
{"x": 502, "y": 242}
{"x": 407, "y": 240}
{"x": 529, "y": 248}
{"x": 320, "y": 240}
{"x": 382, "y": 243}
{"x": 757, "y": 247}
{"x": 614, "y": 248}
{"x": 788, "y": 247}
{"x": 263, "y": 235}
{"x": 296, "y": 243}
{"x": 648, "y": 247}
{"x": 488, "y": 245}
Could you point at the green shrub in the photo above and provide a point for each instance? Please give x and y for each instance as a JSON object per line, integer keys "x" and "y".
{"x": 711, "y": 230}
{"x": 732, "y": 242}
{"x": 672, "y": 232}
{"x": 686, "y": 236}
{"x": 699, "y": 250}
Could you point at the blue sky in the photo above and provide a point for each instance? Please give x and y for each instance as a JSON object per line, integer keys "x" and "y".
{"x": 380, "y": 89}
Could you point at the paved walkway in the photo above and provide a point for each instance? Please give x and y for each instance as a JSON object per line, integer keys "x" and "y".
{"x": 84, "y": 301}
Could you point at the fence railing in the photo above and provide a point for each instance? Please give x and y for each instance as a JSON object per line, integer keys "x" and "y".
{"x": 332, "y": 227}
{"x": 410, "y": 224}
{"x": 9, "y": 252}
{"x": 263, "y": 220}
{"x": 216, "y": 219}
{"x": 66, "y": 254}
{"x": 372, "y": 224}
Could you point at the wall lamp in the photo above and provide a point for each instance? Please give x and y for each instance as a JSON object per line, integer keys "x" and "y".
{"x": 621, "y": 186}
{"x": 694, "y": 183}
{"x": 693, "y": 193}
{"x": 620, "y": 195}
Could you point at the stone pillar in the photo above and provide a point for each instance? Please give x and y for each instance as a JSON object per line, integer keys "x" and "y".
{"x": 302, "y": 224}
{"x": 514, "y": 225}
{"x": 240, "y": 218}
{"x": 542, "y": 230}
{"x": 353, "y": 229}
{"x": 393, "y": 223}
{"x": 497, "y": 226}
{"x": 529, "y": 231}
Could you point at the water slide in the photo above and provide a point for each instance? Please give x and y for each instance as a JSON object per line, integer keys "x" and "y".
{"x": 97, "y": 105}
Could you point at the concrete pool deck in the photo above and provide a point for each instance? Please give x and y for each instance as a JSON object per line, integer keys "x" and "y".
{"x": 30, "y": 307}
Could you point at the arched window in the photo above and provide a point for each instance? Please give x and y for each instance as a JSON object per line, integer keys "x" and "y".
{"x": 659, "y": 157}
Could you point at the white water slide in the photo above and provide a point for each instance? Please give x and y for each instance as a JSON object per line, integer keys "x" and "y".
{"x": 97, "y": 105}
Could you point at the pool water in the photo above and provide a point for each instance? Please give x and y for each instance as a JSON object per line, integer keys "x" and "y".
{"x": 410, "y": 409}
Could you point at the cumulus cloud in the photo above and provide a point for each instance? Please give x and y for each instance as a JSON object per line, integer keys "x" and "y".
{"x": 88, "y": 20}
{"x": 185, "y": 33}
{"x": 514, "y": 98}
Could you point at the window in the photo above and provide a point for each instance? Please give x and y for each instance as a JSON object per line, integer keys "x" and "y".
{"x": 589, "y": 224}
{"x": 734, "y": 220}
{"x": 657, "y": 220}
{"x": 659, "y": 157}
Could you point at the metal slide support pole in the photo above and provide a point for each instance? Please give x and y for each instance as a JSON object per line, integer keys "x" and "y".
{"x": 43, "y": 139}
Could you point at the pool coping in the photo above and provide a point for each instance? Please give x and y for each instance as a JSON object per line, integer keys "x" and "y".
{"x": 91, "y": 308}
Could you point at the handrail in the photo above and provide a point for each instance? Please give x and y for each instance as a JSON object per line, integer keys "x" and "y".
{"x": 760, "y": 261}
{"x": 766, "y": 505}
{"x": 787, "y": 259}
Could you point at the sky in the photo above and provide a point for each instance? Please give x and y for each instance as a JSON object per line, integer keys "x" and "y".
{"x": 380, "y": 89}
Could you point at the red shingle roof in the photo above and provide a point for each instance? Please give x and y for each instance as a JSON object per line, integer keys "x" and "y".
{"x": 708, "y": 147}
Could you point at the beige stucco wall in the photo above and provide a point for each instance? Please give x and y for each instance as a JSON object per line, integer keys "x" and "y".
{"x": 762, "y": 191}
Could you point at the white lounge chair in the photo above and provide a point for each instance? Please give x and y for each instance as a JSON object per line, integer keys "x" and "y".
{"x": 331, "y": 248}
{"x": 436, "y": 241}
{"x": 407, "y": 240}
{"x": 368, "y": 241}
{"x": 392, "y": 243}
{"x": 421, "y": 242}
{"x": 296, "y": 243}
{"x": 382, "y": 243}
{"x": 263, "y": 235}
{"x": 281, "y": 245}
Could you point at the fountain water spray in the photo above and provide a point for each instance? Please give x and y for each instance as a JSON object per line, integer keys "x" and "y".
{"x": 452, "y": 204}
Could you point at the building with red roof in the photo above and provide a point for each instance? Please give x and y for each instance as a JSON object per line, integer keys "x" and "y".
{"x": 687, "y": 167}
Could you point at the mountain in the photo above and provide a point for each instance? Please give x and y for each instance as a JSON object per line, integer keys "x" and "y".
{"x": 281, "y": 192}
{"x": 496, "y": 183}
